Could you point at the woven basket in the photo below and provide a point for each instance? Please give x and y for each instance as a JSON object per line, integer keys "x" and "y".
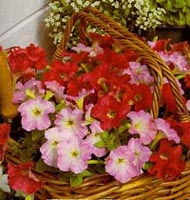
{"x": 104, "y": 186}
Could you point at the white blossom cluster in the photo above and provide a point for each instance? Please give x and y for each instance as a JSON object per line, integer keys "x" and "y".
{"x": 142, "y": 14}
{"x": 147, "y": 16}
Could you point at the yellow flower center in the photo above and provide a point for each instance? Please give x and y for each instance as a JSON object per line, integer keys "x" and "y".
{"x": 37, "y": 112}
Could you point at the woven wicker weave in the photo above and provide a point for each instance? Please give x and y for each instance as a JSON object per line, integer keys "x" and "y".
{"x": 143, "y": 187}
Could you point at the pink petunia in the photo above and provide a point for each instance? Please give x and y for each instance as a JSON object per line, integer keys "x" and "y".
{"x": 81, "y": 48}
{"x": 139, "y": 152}
{"x": 73, "y": 155}
{"x": 170, "y": 133}
{"x": 142, "y": 124}
{"x": 35, "y": 114}
{"x": 71, "y": 122}
{"x": 188, "y": 105}
{"x": 139, "y": 73}
{"x": 56, "y": 88}
{"x": 119, "y": 165}
{"x": 94, "y": 137}
{"x": 179, "y": 61}
{"x": 49, "y": 149}
{"x": 35, "y": 86}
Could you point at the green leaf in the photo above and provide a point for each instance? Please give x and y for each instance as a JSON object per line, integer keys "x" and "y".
{"x": 147, "y": 165}
{"x": 30, "y": 94}
{"x": 48, "y": 95}
{"x": 77, "y": 179}
{"x": 85, "y": 173}
{"x": 40, "y": 166}
{"x": 29, "y": 197}
{"x": 108, "y": 140}
{"x": 105, "y": 136}
{"x": 60, "y": 106}
{"x": 100, "y": 144}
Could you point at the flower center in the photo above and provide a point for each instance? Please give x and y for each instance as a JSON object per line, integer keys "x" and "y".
{"x": 164, "y": 156}
{"x": 74, "y": 154}
{"x": 138, "y": 97}
{"x": 111, "y": 114}
{"x": 37, "y": 111}
{"x": 70, "y": 122}
{"x": 54, "y": 143}
{"x": 137, "y": 154}
{"x": 120, "y": 160}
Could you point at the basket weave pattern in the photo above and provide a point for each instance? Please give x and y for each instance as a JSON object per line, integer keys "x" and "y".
{"x": 104, "y": 186}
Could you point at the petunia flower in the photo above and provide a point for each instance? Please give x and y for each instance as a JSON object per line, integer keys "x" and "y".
{"x": 94, "y": 137}
{"x": 81, "y": 48}
{"x": 49, "y": 149}
{"x": 119, "y": 165}
{"x": 110, "y": 112}
{"x": 141, "y": 153}
{"x": 4, "y": 181}
{"x": 21, "y": 177}
{"x": 139, "y": 73}
{"x": 35, "y": 114}
{"x": 70, "y": 121}
{"x": 37, "y": 56}
{"x": 170, "y": 133}
{"x": 187, "y": 80}
{"x": 56, "y": 88}
{"x": 188, "y": 105}
{"x": 180, "y": 62}
{"x": 168, "y": 163}
{"x": 19, "y": 61}
{"x": 159, "y": 45}
{"x": 142, "y": 123}
{"x": 73, "y": 155}
{"x": 183, "y": 130}
{"x": 32, "y": 85}
{"x": 143, "y": 97}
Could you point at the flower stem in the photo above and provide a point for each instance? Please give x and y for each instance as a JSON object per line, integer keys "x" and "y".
{"x": 93, "y": 162}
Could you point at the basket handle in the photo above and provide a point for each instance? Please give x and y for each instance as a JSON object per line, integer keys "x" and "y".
{"x": 156, "y": 64}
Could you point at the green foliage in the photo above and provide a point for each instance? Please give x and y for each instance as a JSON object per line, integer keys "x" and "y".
{"x": 77, "y": 179}
{"x": 177, "y": 12}
{"x": 109, "y": 140}
{"x": 28, "y": 146}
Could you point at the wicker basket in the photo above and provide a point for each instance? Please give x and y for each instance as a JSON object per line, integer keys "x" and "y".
{"x": 104, "y": 186}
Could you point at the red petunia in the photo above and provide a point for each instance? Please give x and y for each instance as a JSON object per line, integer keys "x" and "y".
{"x": 100, "y": 77}
{"x": 37, "y": 56}
{"x": 139, "y": 96}
{"x": 181, "y": 47}
{"x": 19, "y": 61}
{"x": 75, "y": 86}
{"x": 168, "y": 98}
{"x": 168, "y": 163}
{"x": 161, "y": 45}
{"x": 61, "y": 72}
{"x": 183, "y": 130}
{"x": 4, "y": 136}
{"x": 20, "y": 177}
{"x": 116, "y": 60}
{"x": 110, "y": 112}
{"x": 187, "y": 80}
{"x": 103, "y": 40}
